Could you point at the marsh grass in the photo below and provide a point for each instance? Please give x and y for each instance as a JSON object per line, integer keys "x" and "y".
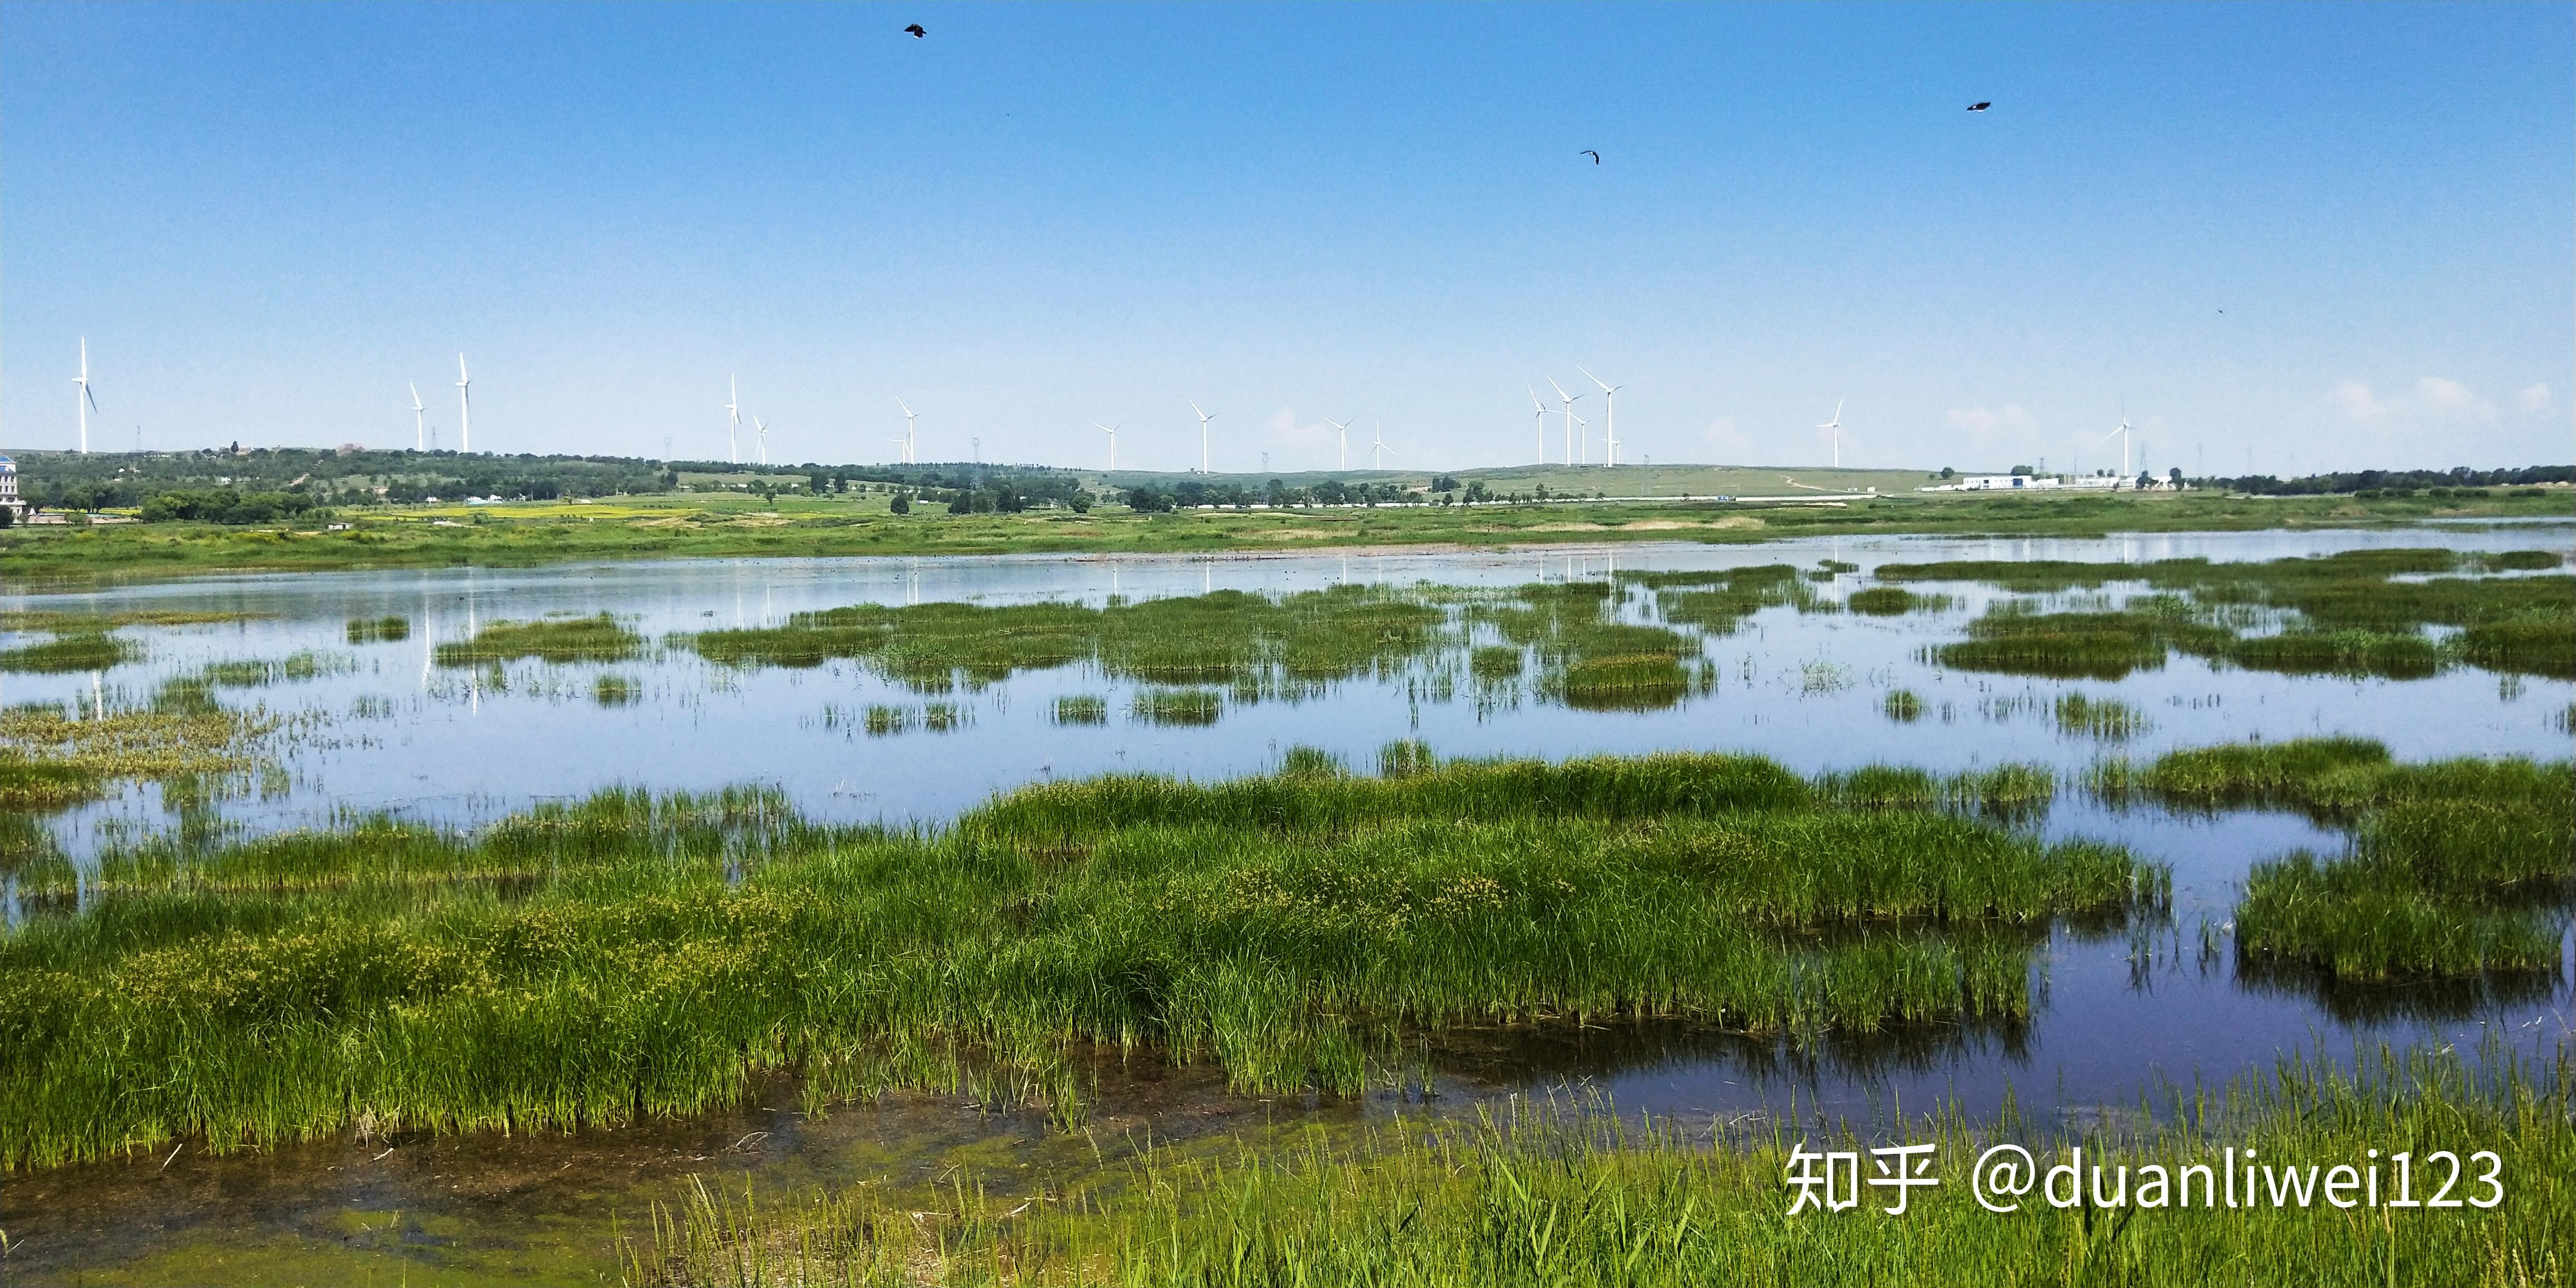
{"x": 2458, "y": 867}
{"x": 50, "y": 761}
{"x": 296, "y": 668}
{"x": 1179, "y": 706}
{"x": 633, "y": 955}
{"x": 71, "y": 653}
{"x": 1903, "y": 706}
{"x": 2357, "y": 613}
{"x": 1081, "y": 709}
{"x": 1550, "y": 1196}
{"x": 2108, "y": 719}
{"x": 378, "y": 630}
{"x": 579, "y": 639}
{"x": 63, "y": 623}
{"x": 615, "y": 691}
{"x": 1894, "y": 601}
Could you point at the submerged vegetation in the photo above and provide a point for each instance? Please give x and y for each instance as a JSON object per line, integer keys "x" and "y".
{"x": 1543, "y": 1198}
{"x": 51, "y": 759}
{"x": 635, "y": 955}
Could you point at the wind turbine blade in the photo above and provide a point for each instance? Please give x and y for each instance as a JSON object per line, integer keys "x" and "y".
{"x": 1605, "y": 387}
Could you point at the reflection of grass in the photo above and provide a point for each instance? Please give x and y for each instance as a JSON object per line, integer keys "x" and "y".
{"x": 653, "y": 954}
{"x": 70, "y": 653}
{"x": 578, "y": 639}
{"x": 1574, "y": 1195}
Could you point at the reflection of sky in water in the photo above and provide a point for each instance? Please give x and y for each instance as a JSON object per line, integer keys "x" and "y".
{"x": 1807, "y": 690}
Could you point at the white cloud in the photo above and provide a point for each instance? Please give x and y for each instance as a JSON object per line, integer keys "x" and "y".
{"x": 1287, "y": 431}
{"x": 2535, "y": 398}
{"x": 2451, "y": 400}
{"x": 2357, "y": 401}
{"x": 1730, "y": 441}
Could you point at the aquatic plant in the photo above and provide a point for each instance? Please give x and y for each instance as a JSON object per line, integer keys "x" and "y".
{"x": 70, "y": 653}
{"x": 1552, "y": 1195}
{"x": 2073, "y": 646}
{"x": 378, "y": 630}
{"x": 578, "y": 639}
{"x": 637, "y": 955}
{"x": 2109, "y": 719}
{"x": 1081, "y": 709}
{"x": 1179, "y": 706}
{"x": 1903, "y": 706}
{"x": 615, "y": 691}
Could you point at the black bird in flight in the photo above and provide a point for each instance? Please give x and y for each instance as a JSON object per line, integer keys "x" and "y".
{"x": 1979, "y": 107}
{"x": 1587, "y": 152}
{"x": 915, "y": 31}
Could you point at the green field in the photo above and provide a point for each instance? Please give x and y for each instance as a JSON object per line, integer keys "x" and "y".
{"x": 706, "y": 525}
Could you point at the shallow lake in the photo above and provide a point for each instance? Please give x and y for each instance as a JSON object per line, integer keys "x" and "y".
{"x": 382, "y": 727}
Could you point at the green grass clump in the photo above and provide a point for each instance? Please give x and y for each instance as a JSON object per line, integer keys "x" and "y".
{"x": 2535, "y": 647}
{"x": 1496, "y": 663}
{"x": 49, "y": 760}
{"x": 1179, "y": 706}
{"x": 2351, "y": 652}
{"x": 1903, "y": 706}
{"x": 70, "y": 653}
{"x": 2330, "y": 777}
{"x": 615, "y": 691}
{"x": 2072, "y": 646}
{"x": 2452, "y": 887}
{"x": 378, "y": 630}
{"x": 2109, "y": 719}
{"x": 633, "y": 955}
{"x": 579, "y": 639}
{"x": 880, "y": 720}
{"x": 1081, "y": 709}
{"x": 253, "y": 673}
{"x": 1892, "y": 601}
{"x": 1552, "y": 1197}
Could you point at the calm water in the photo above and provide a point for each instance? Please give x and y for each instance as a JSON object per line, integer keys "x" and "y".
{"x": 390, "y": 731}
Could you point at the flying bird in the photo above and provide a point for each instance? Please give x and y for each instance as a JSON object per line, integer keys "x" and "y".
{"x": 1979, "y": 107}
{"x": 1587, "y": 152}
{"x": 915, "y": 31}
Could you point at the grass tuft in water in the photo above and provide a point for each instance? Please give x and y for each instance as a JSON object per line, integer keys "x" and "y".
{"x": 1903, "y": 706}
{"x": 2108, "y": 719}
{"x": 1179, "y": 706}
{"x": 70, "y": 653}
{"x": 579, "y": 639}
{"x": 378, "y": 630}
{"x": 1081, "y": 709}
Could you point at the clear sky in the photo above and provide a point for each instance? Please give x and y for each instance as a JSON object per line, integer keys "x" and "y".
{"x": 2286, "y": 236}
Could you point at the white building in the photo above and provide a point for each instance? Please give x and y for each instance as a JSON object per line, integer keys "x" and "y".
{"x": 9, "y": 498}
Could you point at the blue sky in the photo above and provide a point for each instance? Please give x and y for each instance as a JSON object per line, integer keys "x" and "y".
{"x": 267, "y": 219}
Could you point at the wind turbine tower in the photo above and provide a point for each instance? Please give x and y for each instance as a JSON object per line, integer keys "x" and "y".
{"x": 419, "y": 422}
{"x": 1204, "y": 418}
{"x": 1609, "y": 418}
{"x": 733, "y": 420}
{"x": 760, "y": 435}
{"x": 1112, "y": 431}
{"x": 464, "y": 407}
{"x": 1836, "y": 425}
{"x": 1569, "y": 416}
{"x": 1377, "y": 448}
{"x": 85, "y": 402}
{"x": 2123, "y": 433}
{"x": 1343, "y": 427}
{"x": 910, "y": 453}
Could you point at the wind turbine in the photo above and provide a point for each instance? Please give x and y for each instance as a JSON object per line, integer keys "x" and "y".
{"x": 1112, "y": 431}
{"x": 1344, "y": 426}
{"x": 909, "y": 452}
{"x": 1610, "y": 417}
{"x": 1204, "y": 418}
{"x": 86, "y": 402}
{"x": 419, "y": 425}
{"x": 760, "y": 430}
{"x": 1538, "y": 425}
{"x": 1836, "y": 425}
{"x": 1569, "y": 416}
{"x": 464, "y": 407}
{"x": 1377, "y": 448}
{"x": 2123, "y": 434}
{"x": 733, "y": 420}
{"x": 1585, "y": 426}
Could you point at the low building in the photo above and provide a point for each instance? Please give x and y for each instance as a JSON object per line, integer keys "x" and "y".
{"x": 9, "y": 498}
